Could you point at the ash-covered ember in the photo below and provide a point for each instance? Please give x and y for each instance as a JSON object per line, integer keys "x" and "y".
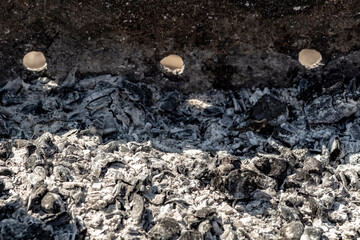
{"x": 106, "y": 158}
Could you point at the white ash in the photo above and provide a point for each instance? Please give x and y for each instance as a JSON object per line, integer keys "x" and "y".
{"x": 106, "y": 158}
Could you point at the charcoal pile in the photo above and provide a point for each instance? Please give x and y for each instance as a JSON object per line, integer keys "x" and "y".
{"x": 107, "y": 158}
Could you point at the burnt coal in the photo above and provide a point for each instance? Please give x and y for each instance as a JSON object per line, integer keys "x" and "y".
{"x": 52, "y": 202}
{"x": 166, "y": 228}
{"x": 170, "y": 103}
{"x": 268, "y": 107}
{"x": 109, "y": 158}
{"x": 5, "y": 150}
{"x": 272, "y": 167}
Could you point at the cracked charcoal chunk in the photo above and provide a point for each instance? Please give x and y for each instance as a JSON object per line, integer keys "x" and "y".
{"x": 165, "y": 229}
{"x": 2, "y": 188}
{"x": 325, "y": 109}
{"x": 312, "y": 233}
{"x": 136, "y": 115}
{"x": 290, "y": 214}
{"x": 5, "y": 150}
{"x": 34, "y": 109}
{"x": 5, "y": 114}
{"x": 36, "y": 195}
{"x": 52, "y": 203}
{"x": 111, "y": 147}
{"x": 183, "y": 134}
{"x": 190, "y": 235}
{"x": 273, "y": 167}
{"x": 33, "y": 161}
{"x": 78, "y": 197}
{"x": 110, "y": 129}
{"x": 4, "y": 130}
{"x": 70, "y": 80}
{"x": 287, "y": 134}
{"x": 8, "y": 98}
{"x": 313, "y": 166}
{"x": 217, "y": 228}
{"x": 226, "y": 122}
{"x": 116, "y": 165}
{"x": 205, "y": 212}
{"x": 137, "y": 92}
{"x": 10, "y": 229}
{"x": 4, "y": 171}
{"x": 353, "y": 129}
{"x": 334, "y": 82}
{"x": 308, "y": 87}
{"x": 335, "y": 149}
{"x": 353, "y": 159}
{"x": 62, "y": 173}
{"x": 51, "y": 104}
{"x": 97, "y": 105}
{"x": 31, "y": 149}
{"x": 7, "y": 210}
{"x": 205, "y": 229}
{"x": 268, "y": 107}
{"x": 349, "y": 177}
{"x": 170, "y": 103}
{"x": 96, "y": 95}
{"x": 297, "y": 179}
{"x": 59, "y": 219}
{"x": 38, "y": 231}
{"x": 241, "y": 185}
{"x": 14, "y": 85}
{"x": 70, "y": 97}
{"x": 137, "y": 208}
{"x": 45, "y": 145}
{"x": 213, "y": 111}
{"x": 292, "y": 231}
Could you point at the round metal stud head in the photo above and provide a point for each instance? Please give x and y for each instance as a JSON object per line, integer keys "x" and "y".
{"x": 173, "y": 64}
{"x": 310, "y": 58}
{"x": 34, "y": 61}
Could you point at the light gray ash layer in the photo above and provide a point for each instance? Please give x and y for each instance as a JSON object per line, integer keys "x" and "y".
{"x": 105, "y": 158}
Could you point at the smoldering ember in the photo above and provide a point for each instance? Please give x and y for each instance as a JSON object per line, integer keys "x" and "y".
{"x": 235, "y": 120}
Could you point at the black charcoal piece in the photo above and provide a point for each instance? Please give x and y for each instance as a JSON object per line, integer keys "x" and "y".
{"x": 268, "y": 107}
{"x": 166, "y": 229}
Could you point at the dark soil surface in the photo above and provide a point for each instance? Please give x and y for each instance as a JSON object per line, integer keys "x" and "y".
{"x": 224, "y": 44}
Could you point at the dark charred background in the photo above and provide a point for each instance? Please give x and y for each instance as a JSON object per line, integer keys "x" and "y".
{"x": 224, "y": 44}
